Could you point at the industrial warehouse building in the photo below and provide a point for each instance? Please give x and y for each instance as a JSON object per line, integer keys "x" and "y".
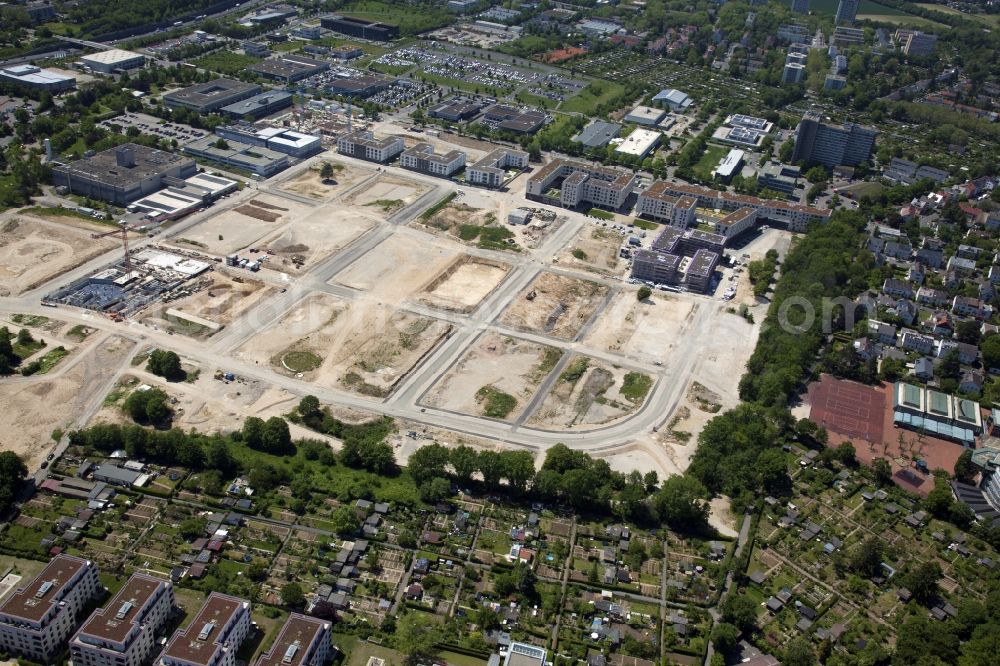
{"x": 278, "y": 139}
{"x": 364, "y": 145}
{"x": 571, "y": 183}
{"x": 289, "y": 68}
{"x": 260, "y": 105}
{"x": 422, "y": 158}
{"x": 356, "y": 27}
{"x": 258, "y": 160}
{"x": 30, "y": 76}
{"x": 37, "y": 619}
{"x": 108, "y": 62}
{"x": 211, "y": 96}
{"x": 123, "y": 174}
{"x": 598, "y": 134}
{"x": 361, "y": 87}
{"x": 639, "y": 143}
{"x": 491, "y": 170}
{"x": 123, "y": 633}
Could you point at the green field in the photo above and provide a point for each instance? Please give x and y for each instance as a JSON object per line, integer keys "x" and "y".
{"x": 713, "y": 155}
{"x": 829, "y": 7}
{"x": 226, "y": 62}
{"x": 992, "y": 19}
{"x": 595, "y": 94}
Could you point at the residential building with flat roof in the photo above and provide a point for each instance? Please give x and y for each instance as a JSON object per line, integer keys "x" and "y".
{"x": 257, "y": 49}
{"x": 213, "y": 637}
{"x": 847, "y": 11}
{"x": 289, "y": 67}
{"x": 260, "y": 105}
{"x": 361, "y": 28}
{"x": 916, "y": 43}
{"x": 680, "y": 258}
{"x": 491, "y": 170}
{"x": 779, "y": 178}
{"x": 123, "y": 632}
{"x": 210, "y": 96}
{"x": 581, "y": 183}
{"x": 792, "y": 33}
{"x": 677, "y": 211}
{"x": 817, "y": 142}
{"x": 730, "y": 165}
{"x": 303, "y": 641}
{"x": 796, "y": 216}
{"x": 257, "y": 160}
{"x": 364, "y": 145}
{"x": 735, "y": 223}
{"x": 112, "y": 60}
{"x": 793, "y": 73}
{"x": 844, "y": 36}
{"x": 423, "y": 159}
{"x": 123, "y": 174}
{"x": 30, "y": 76}
{"x": 37, "y": 619}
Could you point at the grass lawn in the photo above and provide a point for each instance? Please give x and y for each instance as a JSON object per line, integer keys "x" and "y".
{"x": 713, "y": 155}
{"x": 635, "y": 386}
{"x": 456, "y": 659}
{"x": 595, "y": 94}
{"x": 190, "y": 601}
{"x": 27, "y": 569}
{"x": 51, "y": 359}
{"x": 226, "y": 62}
{"x": 904, "y": 19}
{"x": 497, "y": 404}
{"x": 645, "y": 224}
{"x": 362, "y": 650}
{"x": 992, "y": 19}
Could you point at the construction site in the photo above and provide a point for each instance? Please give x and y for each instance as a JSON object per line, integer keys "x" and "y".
{"x": 556, "y": 305}
{"x": 464, "y": 284}
{"x": 591, "y": 392}
{"x": 132, "y": 283}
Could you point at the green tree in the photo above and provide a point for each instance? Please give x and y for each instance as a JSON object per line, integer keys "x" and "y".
{"x": 680, "y": 503}
{"x": 417, "y": 636}
{"x": 24, "y": 337}
{"x": 292, "y": 596}
{"x": 643, "y": 293}
{"x": 990, "y": 349}
{"x": 309, "y": 406}
{"x": 435, "y": 490}
{"x": 344, "y": 520}
{"x": 464, "y": 460}
{"x": 883, "y": 471}
{"x": 922, "y": 580}
{"x": 866, "y": 557}
{"x": 799, "y": 652}
{"x": 724, "y": 636}
{"x": 253, "y": 432}
{"x": 740, "y": 611}
{"x": 166, "y": 364}
{"x": 965, "y": 469}
{"x": 428, "y": 462}
{"x": 276, "y": 437}
{"x": 192, "y": 527}
{"x": 12, "y": 472}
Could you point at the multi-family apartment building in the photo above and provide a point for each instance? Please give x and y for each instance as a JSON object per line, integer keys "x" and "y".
{"x": 303, "y": 641}
{"x": 363, "y": 144}
{"x": 213, "y": 637}
{"x": 36, "y": 620}
{"x": 491, "y": 170}
{"x": 680, "y": 258}
{"x": 677, "y": 211}
{"x": 578, "y": 183}
{"x": 123, "y": 633}
{"x": 422, "y": 158}
{"x": 817, "y": 142}
{"x": 796, "y": 216}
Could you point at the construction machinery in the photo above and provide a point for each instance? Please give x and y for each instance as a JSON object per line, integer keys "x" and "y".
{"x": 123, "y": 230}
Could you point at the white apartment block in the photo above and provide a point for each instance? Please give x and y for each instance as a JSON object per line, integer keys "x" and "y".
{"x": 363, "y": 145}
{"x": 213, "y": 637}
{"x": 491, "y": 170}
{"x": 796, "y": 216}
{"x": 423, "y": 159}
{"x": 36, "y": 620}
{"x": 123, "y": 633}
{"x": 676, "y": 211}
{"x": 582, "y": 183}
{"x": 918, "y": 342}
{"x": 735, "y": 223}
{"x": 303, "y": 641}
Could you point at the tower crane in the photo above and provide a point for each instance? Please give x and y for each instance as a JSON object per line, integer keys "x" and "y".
{"x": 123, "y": 230}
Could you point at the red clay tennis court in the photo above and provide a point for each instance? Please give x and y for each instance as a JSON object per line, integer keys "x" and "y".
{"x": 849, "y": 408}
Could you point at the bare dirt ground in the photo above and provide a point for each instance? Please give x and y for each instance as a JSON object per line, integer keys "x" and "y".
{"x": 648, "y": 328}
{"x": 464, "y": 284}
{"x": 309, "y": 183}
{"x": 208, "y": 404}
{"x": 644, "y": 455}
{"x": 509, "y": 365}
{"x": 26, "y": 428}
{"x": 241, "y": 227}
{"x": 555, "y": 305}
{"x": 399, "y": 266}
{"x": 487, "y": 209}
{"x": 387, "y": 187}
{"x": 315, "y": 236}
{"x": 362, "y": 346}
{"x": 219, "y": 298}
{"x": 33, "y": 250}
{"x": 724, "y": 353}
{"x": 721, "y": 517}
{"x": 596, "y": 251}
{"x": 588, "y": 392}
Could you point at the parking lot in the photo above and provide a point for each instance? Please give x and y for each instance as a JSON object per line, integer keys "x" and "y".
{"x": 155, "y": 126}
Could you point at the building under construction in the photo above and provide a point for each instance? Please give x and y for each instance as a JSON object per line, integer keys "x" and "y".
{"x": 133, "y": 283}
